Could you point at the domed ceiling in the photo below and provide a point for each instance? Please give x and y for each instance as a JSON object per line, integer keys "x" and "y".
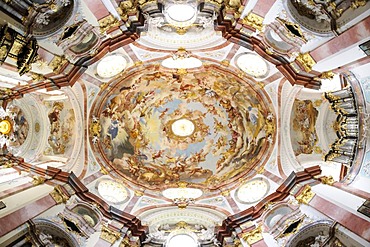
{"x": 207, "y": 127}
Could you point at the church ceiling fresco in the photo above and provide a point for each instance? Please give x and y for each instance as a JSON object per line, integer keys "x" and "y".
{"x": 303, "y": 121}
{"x": 61, "y": 119}
{"x": 206, "y": 127}
{"x": 20, "y": 126}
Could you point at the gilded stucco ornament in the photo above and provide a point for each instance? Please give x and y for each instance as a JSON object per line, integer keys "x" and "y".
{"x": 37, "y": 180}
{"x": 58, "y": 195}
{"x": 57, "y": 63}
{"x": 95, "y": 129}
{"x": 306, "y": 61}
{"x": 358, "y": 3}
{"x": 306, "y": 195}
{"x": 327, "y": 180}
{"x": 107, "y": 23}
{"x": 253, "y": 236}
{"x": 37, "y": 77}
{"x": 253, "y": 20}
{"x": 109, "y": 235}
{"x": 327, "y": 75}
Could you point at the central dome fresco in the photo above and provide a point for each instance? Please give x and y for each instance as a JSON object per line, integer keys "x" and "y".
{"x": 208, "y": 127}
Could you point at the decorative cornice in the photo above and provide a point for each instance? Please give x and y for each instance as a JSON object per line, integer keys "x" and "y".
{"x": 235, "y": 221}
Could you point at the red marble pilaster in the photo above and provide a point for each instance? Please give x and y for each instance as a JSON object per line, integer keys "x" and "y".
{"x": 131, "y": 204}
{"x": 347, "y": 219}
{"x": 355, "y": 34}
{"x": 260, "y": 243}
{"x": 272, "y": 78}
{"x": 98, "y": 8}
{"x": 15, "y": 190}
{"x": 92, "y": 177}
{"x": 262, "y": 7}
{"x": 352, "y": 65}
{"x": 13, "y": 220}
{"x": 232, "y": 51}
{"x": 232, "y": 203}
{"x": 273, "y": 177}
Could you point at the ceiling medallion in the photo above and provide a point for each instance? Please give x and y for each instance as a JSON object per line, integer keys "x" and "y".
{"x": 5, "y": 127}
{"x": 189, "y": 127}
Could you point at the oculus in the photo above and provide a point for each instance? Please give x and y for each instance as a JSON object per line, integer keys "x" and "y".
{"x": 252, "y": 191}
{"x": 180, "y": 15}
{"x": 111, "y": 66}
{"x": 183, "y": 127}
{"x": 252, "y": 64}
{"x": 112, "y": 191}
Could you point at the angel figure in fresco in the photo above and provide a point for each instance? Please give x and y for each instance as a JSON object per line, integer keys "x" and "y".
{"x": 253, "y": 114}
{"x": 113, "y": 127}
